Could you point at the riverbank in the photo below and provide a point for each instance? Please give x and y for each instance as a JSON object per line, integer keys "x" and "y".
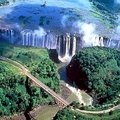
{"x": 80, "y": 96}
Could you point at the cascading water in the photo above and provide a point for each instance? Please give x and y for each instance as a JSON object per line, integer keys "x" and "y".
{"x": 101, "y": 42}
{"x": 66, "y": 45}
{"x": 32, "y": 39}
{"x": 6, "y": 34}
{"x": 74, "y": 46}
{"x": 59, "y": 47}
{"x": 96, "y": 41}
{"x": 12, "y": 36}
{"x": 67, "y": 42}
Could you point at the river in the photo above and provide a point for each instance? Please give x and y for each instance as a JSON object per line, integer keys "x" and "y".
{"x": 62, "y": 15}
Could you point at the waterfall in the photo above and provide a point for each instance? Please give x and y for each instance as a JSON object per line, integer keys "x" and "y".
{"x": 109, "y": 43}
{"x": 32, "y": 39}
{"x": 74, "y": 46}
{"x": 12, "y": 36}
{"x": 66, "y": 45}
{"x": 58, "y": 38}
{"x": 95, "y": 40}
{"x": 43, "y": 41}
{"x": 50, "y": 41}
{"x": 61, "y": 45}
{"x": 101, "y": 41}
{"x": 7, "y": 34}
{"x": 23, "y": 38}
{"x": 67, "y": 42}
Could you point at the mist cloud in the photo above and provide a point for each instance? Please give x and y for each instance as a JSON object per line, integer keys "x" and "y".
{"x": 64, "y": 20}
{"x": 40, "y": 32}
{"x": 88, "y": 31}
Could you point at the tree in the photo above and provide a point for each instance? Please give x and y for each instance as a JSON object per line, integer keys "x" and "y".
{"x": 47, "y": 72}
{"x": 98, "y": 70}
{"x": 16, "y": 92}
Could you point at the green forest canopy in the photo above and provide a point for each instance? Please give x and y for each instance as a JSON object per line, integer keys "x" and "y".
{"x": 97, "y": 69}
{"x": 13, "y": 93}
{"x": 16, "y": 91}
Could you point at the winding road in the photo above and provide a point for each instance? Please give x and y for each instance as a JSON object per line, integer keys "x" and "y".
{"x": 55, "y": 95}
{"x": 38, "y": 82}
{"x": 99, "y": 112}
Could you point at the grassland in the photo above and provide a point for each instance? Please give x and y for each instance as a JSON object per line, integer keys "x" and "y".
{"x": 24, "y": 55}
{"x": 11, "y": 67}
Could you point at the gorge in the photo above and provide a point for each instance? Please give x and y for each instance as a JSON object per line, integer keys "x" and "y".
{"x": 66, "y": 44}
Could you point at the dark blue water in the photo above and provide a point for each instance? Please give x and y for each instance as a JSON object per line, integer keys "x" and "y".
{"x": 60, "y": 15}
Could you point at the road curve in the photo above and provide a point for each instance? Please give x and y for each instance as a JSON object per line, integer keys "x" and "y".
{"x": 98, "y": 112}
{"x": 38, "y": 82}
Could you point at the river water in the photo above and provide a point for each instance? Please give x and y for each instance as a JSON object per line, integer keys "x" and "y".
{"x": 63, "y": 15}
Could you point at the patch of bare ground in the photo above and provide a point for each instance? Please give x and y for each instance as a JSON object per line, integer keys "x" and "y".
{"x": 32, "y": 114}
{"x": 65, "y": 91}
{"x": 36, "y": 111}
{"x": 15, "y": 117}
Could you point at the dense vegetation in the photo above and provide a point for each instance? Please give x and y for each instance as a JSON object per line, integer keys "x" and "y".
{"x": 107, "y": 9}
{"x": 68, "y": 114}
{"x": 97, "y": 69}
{"x": 26, "y": 95}
{"x": 13, "y": 93}
{"x": 46, "y": 73}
